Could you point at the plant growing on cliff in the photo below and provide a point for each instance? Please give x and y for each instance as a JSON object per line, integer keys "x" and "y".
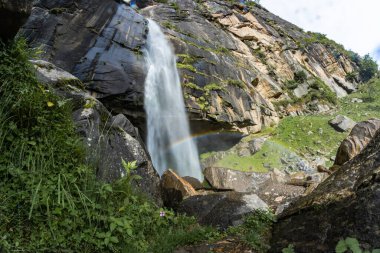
{"x": 367, "y": 68}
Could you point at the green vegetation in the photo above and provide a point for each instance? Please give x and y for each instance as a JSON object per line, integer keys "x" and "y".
{"x": 255, "y": 231}
{"x": 345, "y": 245}
{"x": 268, "y": 156}
{"x": 351, "y": 245}
{"x": 367, "y": 68}
{"x": 370, "y": 108}
{"x": 318, "y": 90}
{"x": 169, "y": 25}
{"x": 50, "y": 198}
{"x": 309, "y": 135}
{"x": 187, "y": 66}
{"x": 300, "y": 76}
{"x": 236, "y": 83}
{"x": 312, "y": 134}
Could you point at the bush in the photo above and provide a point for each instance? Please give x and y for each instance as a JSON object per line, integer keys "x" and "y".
{"x": 50, "y": 199}
{"x": 300, "y": 76}
{"x": 351, "y": 77}
{"x": 367, "y": 68}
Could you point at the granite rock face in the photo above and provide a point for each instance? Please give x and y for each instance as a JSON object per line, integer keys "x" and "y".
{"x": 359, "y": 137}
{"x": 175, "y": 189}
{"x": 346, "y": 204}
{"x": 342, "y": 123}
{"x": 108, "y": 139}
{"x": 233, "y": 64}
{"x": 226, "y": 179}
{"x": 222, "y": 210}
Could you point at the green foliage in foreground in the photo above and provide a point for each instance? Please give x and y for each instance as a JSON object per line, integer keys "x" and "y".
{"x": 256, "y": 230}
{"x": 345, "y": 245}
{"x": 50, "y": 200}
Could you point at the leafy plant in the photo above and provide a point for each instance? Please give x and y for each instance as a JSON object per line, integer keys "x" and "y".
{"x": 353, "y": 245}
{"x": 289, "y": 249}
{"x": 367, "y": 68}
{"x": 300, "y": 76}
{"x": 256, "y": 229}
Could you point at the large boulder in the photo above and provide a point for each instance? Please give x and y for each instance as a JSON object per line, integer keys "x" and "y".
{"x": 342, "y": 123}
{"x": 222, "y": 210}
{"x": 346, "y": 204}
{"x": 359, "y": 137}
{"x": 227, "y": 179}
{"x": 13, "y": 15}
{"x": 108, "y": 139}
{"x": 175, "y": 189}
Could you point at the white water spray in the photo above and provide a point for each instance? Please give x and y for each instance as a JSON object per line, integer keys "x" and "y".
{"x": 169, "y": 141}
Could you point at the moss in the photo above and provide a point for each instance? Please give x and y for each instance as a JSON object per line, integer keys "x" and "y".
{"x": 192, "y": 86}
{"x": 260, "y": 55}
{"x": 213, "y": 86}
{"x": 236, "y": 83}
{"x": 186, "y": 66}
{"x": 66, "y": 83}
{"x": 169, "y": 25}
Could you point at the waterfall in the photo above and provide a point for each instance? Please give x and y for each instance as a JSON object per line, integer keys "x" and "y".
{"x": 169, "y": 142}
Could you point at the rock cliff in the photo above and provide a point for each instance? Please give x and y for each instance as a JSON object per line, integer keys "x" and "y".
{"x": 235, "y": 64}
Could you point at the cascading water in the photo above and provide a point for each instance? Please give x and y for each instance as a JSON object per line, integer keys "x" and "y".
{"x": 169, "y": 141}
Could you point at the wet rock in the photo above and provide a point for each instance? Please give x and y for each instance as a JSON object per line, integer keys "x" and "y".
{"x": 342, "y": 123}
{"x": 359, "y": 137}
{"x": 345, "y": 205}
{"x": 222, "y": 210}
{"x": 226, "y": 179}
{"x": 175, "y": 189}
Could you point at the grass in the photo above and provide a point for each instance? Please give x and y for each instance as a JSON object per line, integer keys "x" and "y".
{"x": 309, "y": 135}
{"x": 370, "y": 108}
{"x": 312, "y": 134}
{"x": 268, "y": 156}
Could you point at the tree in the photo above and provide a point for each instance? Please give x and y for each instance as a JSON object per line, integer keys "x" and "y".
{"x": 367, "y": 68}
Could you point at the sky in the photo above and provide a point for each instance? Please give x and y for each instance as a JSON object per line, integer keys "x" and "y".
{"x": 353, "y": 23}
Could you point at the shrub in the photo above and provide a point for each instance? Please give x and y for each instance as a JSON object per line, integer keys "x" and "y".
{"x": 351, "y": 77}
{"x": 300, "y": 76}
{"x": 367, "y": 68}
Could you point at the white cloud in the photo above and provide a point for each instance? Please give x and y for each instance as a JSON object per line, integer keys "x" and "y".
{"x": 353, "y": 23}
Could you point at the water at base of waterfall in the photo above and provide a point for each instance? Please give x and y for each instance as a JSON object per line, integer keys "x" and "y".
{"x": 169, "y": 142}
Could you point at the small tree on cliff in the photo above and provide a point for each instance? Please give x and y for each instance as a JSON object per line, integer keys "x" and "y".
{"x": 367, "y": 68}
